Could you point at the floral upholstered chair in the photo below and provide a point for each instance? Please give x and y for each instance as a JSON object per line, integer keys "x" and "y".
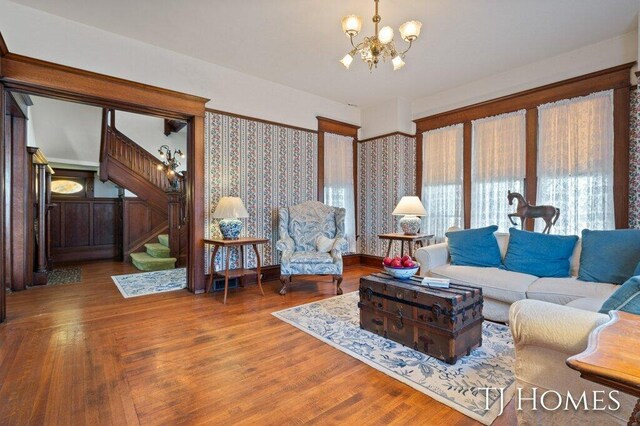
{"x": 311, "y": 241}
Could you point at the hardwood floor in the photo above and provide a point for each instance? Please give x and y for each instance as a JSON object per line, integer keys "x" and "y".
{"x": 81, "y": 354}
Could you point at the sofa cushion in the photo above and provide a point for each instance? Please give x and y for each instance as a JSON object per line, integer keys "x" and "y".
{"x": 609, "y": 256}
{"x": 497, "y": 284}
{"x": 474, "y": 247}
{"x": 626, "y": 298}
{"x": 311, "y": 257}
{"x": 592, "y": 304}
{"x": 561, "y": 291}
{"x": 539, "y": 254}
{"x": 575, "y": 258}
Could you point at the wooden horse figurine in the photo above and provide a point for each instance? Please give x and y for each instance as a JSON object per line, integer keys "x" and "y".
{"x": 526, "y": 211}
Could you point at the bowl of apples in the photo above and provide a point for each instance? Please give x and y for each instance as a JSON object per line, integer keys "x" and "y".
{"x": 400, "y": 267}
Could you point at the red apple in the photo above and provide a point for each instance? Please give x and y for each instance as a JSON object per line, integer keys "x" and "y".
{"x": 409, "y": 264}
{"x": 387, "y": 261}
{"x": 406, "y": 258}
{"x": 398, "y": 258}
{"x": 395, "y": 263}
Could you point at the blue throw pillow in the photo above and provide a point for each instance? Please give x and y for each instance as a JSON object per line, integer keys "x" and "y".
{"x": 609, "y": 256}
{"x": 475, "y": 247}
{"x": 626, "y": 298}
{"x": 637, "y": 271}
{"x": 539, "y": 254}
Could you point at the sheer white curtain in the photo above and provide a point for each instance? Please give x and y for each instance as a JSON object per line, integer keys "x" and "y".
{"x": 497, "y": 166}
{"x": 575, "y": 162}
{"x": 338, "y": 180}
{"x": 442, "y": 192}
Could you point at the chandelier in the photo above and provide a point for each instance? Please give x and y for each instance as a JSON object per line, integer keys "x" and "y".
{"x": 170, "y": 165}
{"x": 381, "y": 44}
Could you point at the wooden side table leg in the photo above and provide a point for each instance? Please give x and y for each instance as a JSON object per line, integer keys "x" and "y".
{"x": 241, "y": 281}
{"x": 255, "y": 248}
{"x": 401, "y": 248}
{"x": 212, "y": 268}
{"x": 226, "y": 276}
{"x": 410, "y": 250}
{"x": 389, "y": 248}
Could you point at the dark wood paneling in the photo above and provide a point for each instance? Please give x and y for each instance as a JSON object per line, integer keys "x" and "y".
{"x": 105, "y": 222}
{"x": 86, "y": 229}
{"x": 467, "y": 151}
{"x": 78, "y": 222}
{"x": 195, "y": 204}
{"x": 321, "y": 167}
{"x": 141, "y": 224}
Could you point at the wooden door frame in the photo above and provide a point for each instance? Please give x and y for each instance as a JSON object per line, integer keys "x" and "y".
{"x": 29, "y": 75}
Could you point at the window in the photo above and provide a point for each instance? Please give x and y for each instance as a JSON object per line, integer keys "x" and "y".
{"x": 497, "y": 166}
{"x": 575, "y": 162}
{"x": 338, "y": 181}
{"x": 442, "y": 194}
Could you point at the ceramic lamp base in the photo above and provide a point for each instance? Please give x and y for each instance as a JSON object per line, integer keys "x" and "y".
{"x": 230, "y": 228}
{"x": 410, "y": 224}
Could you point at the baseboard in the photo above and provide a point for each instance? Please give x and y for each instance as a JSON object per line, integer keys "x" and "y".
{"x": 369, "y": 260}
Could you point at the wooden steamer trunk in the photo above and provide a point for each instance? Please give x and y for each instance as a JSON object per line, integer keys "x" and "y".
{"x": 443, "y": 323}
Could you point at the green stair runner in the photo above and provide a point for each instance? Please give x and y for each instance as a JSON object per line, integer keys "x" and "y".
{"x": 156, "y": 258}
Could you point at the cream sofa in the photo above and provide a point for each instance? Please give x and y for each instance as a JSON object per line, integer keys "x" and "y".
{"x": 545, "y": 335}
{"x": 501, "y": 288}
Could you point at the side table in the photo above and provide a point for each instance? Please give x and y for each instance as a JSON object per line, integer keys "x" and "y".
{"x": 235, "y": 273}
{"x": 411, "y": 240}
{"x": 612, "y": 357}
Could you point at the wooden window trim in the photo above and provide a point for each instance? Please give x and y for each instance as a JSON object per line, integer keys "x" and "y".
{"x": 328, "y": 125}
{"x": 616, "y": 78}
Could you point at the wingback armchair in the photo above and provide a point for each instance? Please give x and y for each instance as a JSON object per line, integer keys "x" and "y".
{"x": 311, "y": 241}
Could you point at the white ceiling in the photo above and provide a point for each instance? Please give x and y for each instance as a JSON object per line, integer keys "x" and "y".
{"x": 298, "y": 42}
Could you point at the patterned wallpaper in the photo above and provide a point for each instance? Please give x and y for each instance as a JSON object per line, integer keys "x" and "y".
{"x": 267, "y": 166}
{"x": 634, "y": 160}
{"x": 386, "y": 172}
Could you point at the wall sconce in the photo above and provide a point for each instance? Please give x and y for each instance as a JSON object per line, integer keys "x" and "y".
{"x": 169, "y": 164}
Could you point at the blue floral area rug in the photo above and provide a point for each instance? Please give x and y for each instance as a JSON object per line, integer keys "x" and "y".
{"x": 336, "y": 321}
{"x": 134, "y": 285}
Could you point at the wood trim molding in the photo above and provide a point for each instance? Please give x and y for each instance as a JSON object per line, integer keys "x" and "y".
{"x": 467, "y": 150}
{"x": 621, "y": 146}
{"x": 610, "y": 78}
{"x": 24, "y": 74}
{"x": 3, "y": 47}
{"x": 329, "y": 125}
{"x": 531, "y": 160}
{"x": 260, "y": 120}
{"x": 419, "y": 165}
{"x": 386, "y": 135}
{"x": 41, "y": 77}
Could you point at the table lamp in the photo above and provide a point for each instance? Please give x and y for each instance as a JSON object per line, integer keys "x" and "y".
{"x": 229, "y": 209}
{"x": 410, "y": 207}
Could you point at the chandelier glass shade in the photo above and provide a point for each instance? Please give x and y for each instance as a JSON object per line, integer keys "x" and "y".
{"x": 381, "y": 45}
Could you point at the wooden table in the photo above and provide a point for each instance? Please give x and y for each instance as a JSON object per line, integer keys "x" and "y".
{"x": 410, "y": 239}
{"x": 235, "y": 273}
{"x": 612, "y": 357}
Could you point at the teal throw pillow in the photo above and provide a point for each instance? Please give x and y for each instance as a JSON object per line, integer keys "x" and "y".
{"x": 539, "y": 254}
{"x": 609, "y": 256}
{"x": 626, "y": 298}
{"x": 474, "y": 247}
{"x": 637, "y": 271}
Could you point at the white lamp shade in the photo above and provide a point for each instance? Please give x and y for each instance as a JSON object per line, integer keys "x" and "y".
{"x": 346, "y": 61}
{"x": 397, "y": 63}
{"x": 410, "y": 30}
{"x": 230, "y": 207}
{"x": 410, "y": 205}
{"x": 385, "y": 35}
{"x": 351, "y": 25}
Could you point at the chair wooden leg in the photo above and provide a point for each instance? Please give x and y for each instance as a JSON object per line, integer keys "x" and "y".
{"x": 338, "y": 279}
{"x": 283, "y": 280}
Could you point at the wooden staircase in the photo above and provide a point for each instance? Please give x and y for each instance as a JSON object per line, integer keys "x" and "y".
{"x": 157, "y": 210}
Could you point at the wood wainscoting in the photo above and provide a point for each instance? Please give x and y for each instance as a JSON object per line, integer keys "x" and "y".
{"x": 85, "y": 229}
{"x": 141, "y": 223}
